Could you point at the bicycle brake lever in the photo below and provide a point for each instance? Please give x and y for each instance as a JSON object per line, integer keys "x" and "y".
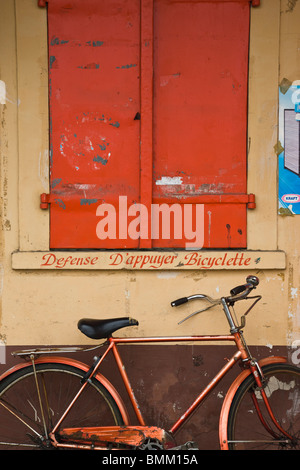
{"x": 199, "y": 311}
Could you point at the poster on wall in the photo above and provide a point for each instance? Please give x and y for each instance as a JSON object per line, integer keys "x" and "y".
{"x": 288, "y": 148}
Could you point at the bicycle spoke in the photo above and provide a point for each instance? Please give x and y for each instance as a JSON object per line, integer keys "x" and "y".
{"x": 16, "y": 444}
{"x": 20, "y": 419}
{"x": 259, "y": 441}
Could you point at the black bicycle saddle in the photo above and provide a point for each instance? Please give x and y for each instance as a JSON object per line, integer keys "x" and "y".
{"x": 97, "y": 329}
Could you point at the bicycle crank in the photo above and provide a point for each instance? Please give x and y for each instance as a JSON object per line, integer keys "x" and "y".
{"x": 151, "y": 444}
{"x": 190, "y": 445}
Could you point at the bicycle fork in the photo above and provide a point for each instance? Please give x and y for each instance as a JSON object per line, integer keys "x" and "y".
{"x": 258, "y": 376}
{"x": 260, "y": 381}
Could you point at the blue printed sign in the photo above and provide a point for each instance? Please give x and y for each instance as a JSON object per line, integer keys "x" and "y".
{"x": 289, "y": 149}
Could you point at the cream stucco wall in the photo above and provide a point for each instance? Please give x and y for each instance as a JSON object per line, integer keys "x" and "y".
{"x": 43, "y": 307}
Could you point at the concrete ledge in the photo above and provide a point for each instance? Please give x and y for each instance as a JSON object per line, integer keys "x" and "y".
{"x": 148, "y": 260}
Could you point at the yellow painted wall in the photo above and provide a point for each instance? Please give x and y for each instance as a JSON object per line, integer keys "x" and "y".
{"x": 43, "y": 307}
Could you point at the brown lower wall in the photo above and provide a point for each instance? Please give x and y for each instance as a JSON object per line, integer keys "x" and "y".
{"x": 166, "y": 380}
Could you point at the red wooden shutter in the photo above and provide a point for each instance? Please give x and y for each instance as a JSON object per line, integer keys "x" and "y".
{"x": 200, "y": 112}
{"x": 94, "y": 59}
{"x": 148, "y": 101}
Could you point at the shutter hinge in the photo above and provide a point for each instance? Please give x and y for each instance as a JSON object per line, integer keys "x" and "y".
{"x": 255, "y": 3}
{"x": 42, "y": 3}
{"x": 45, "y": 200}
{"x": 211, "y": 198}
{"x": 248, "y": 199}
{"x": 251, "y": 204}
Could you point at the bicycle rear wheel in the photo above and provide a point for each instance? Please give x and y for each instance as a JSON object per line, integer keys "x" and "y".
{"x": 245, "y": 427}
{"x": 26, "y": 426}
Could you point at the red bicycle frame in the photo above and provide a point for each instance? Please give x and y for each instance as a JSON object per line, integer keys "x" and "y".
{"x": 116, "y": 434}
{"x": 115, "y": 341}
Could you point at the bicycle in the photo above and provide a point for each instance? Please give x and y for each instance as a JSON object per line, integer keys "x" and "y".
{"x": 55, "y": 402}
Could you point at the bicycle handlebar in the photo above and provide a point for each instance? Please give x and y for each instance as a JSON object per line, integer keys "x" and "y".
{"x": 237, "y": 293}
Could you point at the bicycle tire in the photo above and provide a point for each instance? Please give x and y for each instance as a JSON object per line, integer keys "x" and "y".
{"x": 59, "y": 384}
{"x": 245, "y": 429}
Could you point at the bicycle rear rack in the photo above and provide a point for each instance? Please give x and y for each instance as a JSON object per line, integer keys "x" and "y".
{"x": 27, "y": 353}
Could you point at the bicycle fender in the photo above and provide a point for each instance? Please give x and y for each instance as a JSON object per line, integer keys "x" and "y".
{"x": 80, "y": 365}
{"x": 223, "y": 423}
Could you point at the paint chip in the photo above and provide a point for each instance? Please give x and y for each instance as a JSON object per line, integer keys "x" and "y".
{"x": 278, "y": 148}
{"x": 284, "y": 85}
{"x": 2, "y": 92}
{"x": 84, "y": 202}
{"x": 168, "y": 180}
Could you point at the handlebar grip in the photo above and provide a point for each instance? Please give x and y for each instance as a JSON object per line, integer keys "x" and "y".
{"x": 252, "y": 282}
{"x": 181, "y": 301}
{"x": 238, "y": 289}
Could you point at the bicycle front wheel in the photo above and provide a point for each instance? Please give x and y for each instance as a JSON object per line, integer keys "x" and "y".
{"x": 252, "y": 428}
{"x": 25, "y": 424}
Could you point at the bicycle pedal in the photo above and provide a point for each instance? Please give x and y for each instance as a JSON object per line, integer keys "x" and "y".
{"x": 190, "y": 445}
